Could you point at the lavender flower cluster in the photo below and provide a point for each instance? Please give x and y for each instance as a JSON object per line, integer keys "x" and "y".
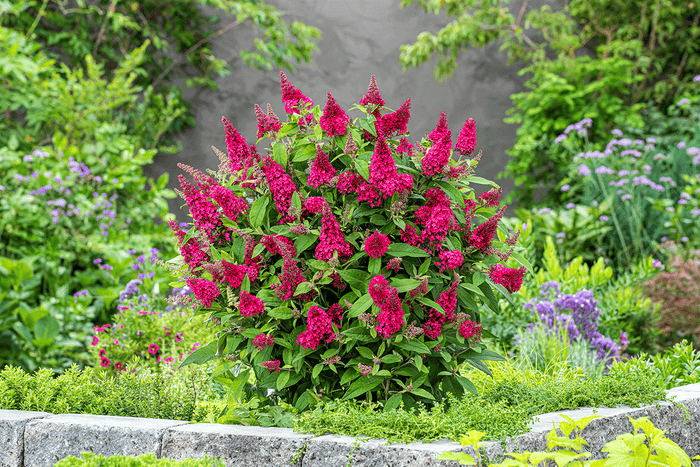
{"x": 574, "y": 317}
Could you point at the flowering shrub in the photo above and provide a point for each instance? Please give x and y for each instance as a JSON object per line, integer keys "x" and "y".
{"x": 149, "y": 326}
{"x": 580, "y": 324}
{"x": 345, "y": 261}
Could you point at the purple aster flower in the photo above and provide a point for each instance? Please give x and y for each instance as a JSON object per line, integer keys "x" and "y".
{"x": 683, "y": 102}
{"x": 681, "y": 145}
{"x": 604, "y": 218}
{"x": 584, "y": 170}
{"x": 565, "y": 188}
{"x": 696, "y": 79}
{"x": 570, "y": 206}
{"x": 617, "y": 132}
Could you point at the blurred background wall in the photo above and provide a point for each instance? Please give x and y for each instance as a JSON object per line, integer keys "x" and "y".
{"x": 360, "y": 38}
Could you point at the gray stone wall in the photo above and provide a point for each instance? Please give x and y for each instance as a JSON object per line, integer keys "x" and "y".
{"x": 359, "y": 38}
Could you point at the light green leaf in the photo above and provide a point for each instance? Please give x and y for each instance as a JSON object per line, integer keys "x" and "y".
{"x": 258, "y": 211}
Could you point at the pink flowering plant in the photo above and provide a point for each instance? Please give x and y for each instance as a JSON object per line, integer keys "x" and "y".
{"x": 343, "y": 260}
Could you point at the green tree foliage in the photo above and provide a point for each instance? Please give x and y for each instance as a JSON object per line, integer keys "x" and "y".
{"x": 170, "y": 34}
{"x": 598, "y": 59}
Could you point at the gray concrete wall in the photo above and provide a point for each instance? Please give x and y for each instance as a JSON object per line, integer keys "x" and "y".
{"x": 359, "y": 38}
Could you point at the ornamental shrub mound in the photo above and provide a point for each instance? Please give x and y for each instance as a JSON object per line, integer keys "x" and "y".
{"x": 344, "y": 261}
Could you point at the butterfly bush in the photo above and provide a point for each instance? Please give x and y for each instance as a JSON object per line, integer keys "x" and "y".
{"x": 573, "y": 318}
{"x": 342, "y": 260}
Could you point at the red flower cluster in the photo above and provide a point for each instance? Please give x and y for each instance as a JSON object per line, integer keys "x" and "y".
{"x": 377, "y": 245}
{"x": 272, "y": 365}
{"x": 290, "y": 279}
{"x": 291, "y": 97}
{"x": 191, "y": 250}
{"x": 334, "y": 120}
{"x": 273, "y": 242}
{"x": 437, "y": 220}
{"x": 441, "y": 130}
{"x": 321, "y": 171}
{"x": 263, "y": 340}
{"x": 319, "y": 327}
{"x": 373, "y": 98}
{"x": 239, "y": 154}
{"x": 404, "y": 147}
{"x": 383, "y": 174}
{"x": 233, "y": 273}
{"x": 438, "y": 156}
{"x": 469, "y": 329}
{"x": 482, "y": 236}
{"x": 395, "y": 122}
{"x": 466, "y": 141}
{"x": 230, "y": 203}
{"x": 205, "y": 214}
{"x": 451, "y": 259}
{"x": 390, "y": 318}
{"x": 281, "y": 186}
{"x": 331, "y": 239}
{"x": 205, "y": 291}
{"x": 267, "y": 122}
{"x": 250, "y": 305}
{"x": 511, "y": 279}
{"x": 491, "y": 197}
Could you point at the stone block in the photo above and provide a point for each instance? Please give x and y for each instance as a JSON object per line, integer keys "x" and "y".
{"x": 48, "y": 440}
{"x": 332, "y": 451}
{"x": 12, "y": 424}
{"x": 236, "y": 445}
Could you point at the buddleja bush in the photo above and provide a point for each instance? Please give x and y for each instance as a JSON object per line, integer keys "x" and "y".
{"x": 345, "y": 261}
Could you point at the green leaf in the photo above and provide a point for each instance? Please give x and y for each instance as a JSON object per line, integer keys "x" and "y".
{"x": 362, "y": 168}
{"x": 282, "y": 380}
{"x": 452, "y": 192}
{"x": 404, "y": 285}
{"x": 414, "y": 346}
{"x": 522, "y": 261}
{"x": 258, "y": 250}
{"x": 358, "y": 333}
{"x": 399, "y": 223}
{"x": 279, "y": 153}
{"x": 45, "y": 331}
{"x": 365, "y": 352}
{"x": 361, "y": 386}
{"x": 491, "y": 301}
{"x": 480, "y": 181}
{"x": 391, "y": 358}
{"x": 375, "y": 265}
{"x": 401, "y": 249}
{"x": 360, "y": 305}
{"x": 296, "y": 201}
{"x": 467, "y": 384}
{"x": 281, "y": 312}
{"x": 317, "y": 370}
{"x": 430, "y": 303}
{"x": 303, "y": 288}
{"x": 258, "y": 211}
{"x": 392, "y": 403}
{"x": 202, "y": 354}
{"x": 367, "y": 126}
{"x": 304, "y": 241}
{"x": 423, "y": 393}
{"x": 356, "y": 278}
{"x": 304, "y": 153}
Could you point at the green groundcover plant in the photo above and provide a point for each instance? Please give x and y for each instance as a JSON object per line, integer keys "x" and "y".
{"x": 644, "y": 446}
{"x": 89, "y": 459}
{"x": 345, "y": 261}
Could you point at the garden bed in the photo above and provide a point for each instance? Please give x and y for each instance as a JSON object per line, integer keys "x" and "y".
{"x": 39, "y": 439}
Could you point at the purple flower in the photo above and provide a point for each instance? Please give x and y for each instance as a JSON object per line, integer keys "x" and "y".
{"x": 683, "y": 102}
{"x": 565, "y": 188}
{"x": 97, "y": 261}
{"x": 131, "y": 252}
{"x": 106, "y": 267}
{"x": 570, "y": 206}
{"x": 135, "y": 266}
{"x": 560, "y": 138}
{"x": 625, "y": 198}
{"x": 131, "y": 289}
{"x": 681, "y": 145}
{"x": 584, "y": 170}
{"x": 604, "y": 218}
{"x": 141, "y": 258}
{"x": 617, "y": 132}
{"x": 696, "y": 79}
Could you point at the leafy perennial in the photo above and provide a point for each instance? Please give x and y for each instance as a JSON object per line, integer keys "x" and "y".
{"x": 345, "y": 260}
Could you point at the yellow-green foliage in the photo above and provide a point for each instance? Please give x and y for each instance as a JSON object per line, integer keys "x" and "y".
{"x": 646, "y": 445}
{"x": 144, "y": 460}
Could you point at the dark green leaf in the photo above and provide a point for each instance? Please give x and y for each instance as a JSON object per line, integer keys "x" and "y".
{"x": 401, "y": 249}
{"x": 360, "y": 306}
{"x": 201, "y": 355}
{"x": 258, "y": 211}
{"x": 361, "y": 386}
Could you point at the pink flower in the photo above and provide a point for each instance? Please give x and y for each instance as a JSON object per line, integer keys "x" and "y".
{"x": 451, "y": 259}
{"x": 267, "y": 122}
{"x": 441, "y": 130}
{"x": 168, "y": 360}
{"x": 153, "y": 349}
{"x": 319, "y": 327}
{"x": 448, "y": 300}
{"x": 95, "y": 341}
{"x": 230, "y": 203}
{"x": 469, "y": 329}
{"x": 118, "y": 366}
{"x": 404, "y": 147}
{"x": 373, "y": 97}
{"x": 395, "y": 122}
{"x": 491, "y": 197}
{"x": 321, "y": 171}
{"x": 334, "y": 120}
{"x": 291, "y": 96}
{"x": 105, "y": 362}
{"x": 315, "y": 204}
{"x": 281, "y": 186}
{"x": 102, "y": 353}
{"x": 204, "y": 290}
{"x": 348, "y": 182}
{"x": 433, "y": 325}
{"x": 466, "y": 141}
{"x": 438, "y": 155}
{"x": 272, "y": 365}
{"x": 364, "y": 369}
{"x": 250, "y": 305}
{"x": 331, "y": 238}
{"x": 511, "y": 279}
{"x": 191, "y": 251}
{"x": 262, "y": 340}
{"x": 383, "y": 174}
{"x": 275, "y": 244}
{"x": 205, "y": 214}
{"x": 377, "y": 245}
{"x": 394, "y": 264}
{"x": 290, "y": 279}
{"x": 391, "y": 317}
{"x": 233, "y": 273}
{"x": 482, "y": 236}
{"x": 239, "y": 154}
